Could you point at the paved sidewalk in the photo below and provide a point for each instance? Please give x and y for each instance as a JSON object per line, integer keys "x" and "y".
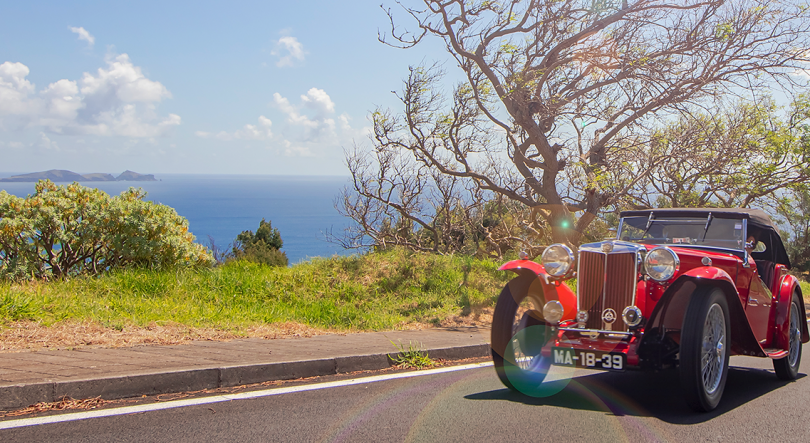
{"x": 30, "y": 377}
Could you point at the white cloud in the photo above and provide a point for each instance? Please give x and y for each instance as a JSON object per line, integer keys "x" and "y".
{"x": 15, "y": 145}
{"x": 14, "y": 89}
{"x": 129, "y": 120}
{"x": 313, "y": 128}
{"x": 309, "y": 128}
{"x": 310, "y": 131}
{"x": 253, "y": 132}
{"x": 248, "y": 132}
{"x": 46, "y": 143}
{"x": 318, "y": 100}
{"x": 283, "y": 104}
{"x": 344, "y": 122}
{"x": 122, "y": 82}
{"x": 116, "y": 100}
{"x": 296, "y": 151}
{"x": 289, "y": 50}
{"x": 83, "y": 35}
{"x": 60, "y": 103}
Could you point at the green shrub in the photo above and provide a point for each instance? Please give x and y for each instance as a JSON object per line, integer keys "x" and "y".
{"x": 264, "y": 254}
{"x": 70, "y": 230}
{"x": 262, "y": 247}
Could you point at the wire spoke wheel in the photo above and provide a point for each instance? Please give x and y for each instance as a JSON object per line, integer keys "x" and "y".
{"x": 704, "y": 352}
{"x": 714, "y": 348}
{"x": 795, "y": 335}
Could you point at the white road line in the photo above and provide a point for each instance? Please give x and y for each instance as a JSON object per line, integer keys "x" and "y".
{"x": 10, "y": 424}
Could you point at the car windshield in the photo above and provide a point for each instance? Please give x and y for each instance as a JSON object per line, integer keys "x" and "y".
{"x": 683, "y": 231}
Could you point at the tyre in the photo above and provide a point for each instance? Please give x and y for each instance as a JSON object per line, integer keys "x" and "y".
{"x": 518, "y": 336}
{"x": 704, "y": 352}
{"x": 787, "y": 368}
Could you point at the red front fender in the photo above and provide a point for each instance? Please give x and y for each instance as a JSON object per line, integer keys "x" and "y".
{"x": 710, "y": 273}
{"x": 787, "y": 285}
{"x": 743, "y": 338}
{"x": 552, "y": 289}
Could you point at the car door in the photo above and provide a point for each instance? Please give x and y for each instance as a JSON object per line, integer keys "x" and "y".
{"x": 758, "y": 305}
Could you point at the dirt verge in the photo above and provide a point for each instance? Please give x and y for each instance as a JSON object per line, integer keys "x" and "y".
{"x": 32, "y": 336}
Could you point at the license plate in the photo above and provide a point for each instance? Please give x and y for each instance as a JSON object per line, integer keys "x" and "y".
{"x": 614, "y": 361}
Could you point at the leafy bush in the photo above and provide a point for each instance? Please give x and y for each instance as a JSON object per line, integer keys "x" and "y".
{"x": 262, "y": 247}
{"x": 69, "y": 230}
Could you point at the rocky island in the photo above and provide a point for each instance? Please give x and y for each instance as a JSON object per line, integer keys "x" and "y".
{"x": 60, "y": 175}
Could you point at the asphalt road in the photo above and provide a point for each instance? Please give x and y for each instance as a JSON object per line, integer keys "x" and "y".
{"x": 472, "y": 405}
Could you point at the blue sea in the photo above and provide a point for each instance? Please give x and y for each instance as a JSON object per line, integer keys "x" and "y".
{"x": 222, "y": 206}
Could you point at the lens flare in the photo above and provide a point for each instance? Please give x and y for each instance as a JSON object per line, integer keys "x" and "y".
{"x": 527, "y": 367}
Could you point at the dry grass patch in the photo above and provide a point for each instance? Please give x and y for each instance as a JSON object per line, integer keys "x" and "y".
{"x": 66, "y": 403}
{"x": 480, "y": 317}
{"x": 33, "y": 336}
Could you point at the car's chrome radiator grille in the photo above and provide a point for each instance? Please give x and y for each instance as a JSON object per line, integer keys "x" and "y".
{"x": 606, "y": 281}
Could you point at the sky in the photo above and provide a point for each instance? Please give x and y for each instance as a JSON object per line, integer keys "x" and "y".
{"x": 202, "y": 87}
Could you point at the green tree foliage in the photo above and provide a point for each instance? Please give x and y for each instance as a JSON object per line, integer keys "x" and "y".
{"x": 262, "y": 247}
{"x": 69, "y": 230}
{"x": 742, "y": 156}
{"x": 794, "y": 210}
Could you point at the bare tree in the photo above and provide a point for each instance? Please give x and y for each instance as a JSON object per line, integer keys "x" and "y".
{"x": 397, "y": 201}
{"x": 558, "y": 95}
{"x": 399, "y": 197}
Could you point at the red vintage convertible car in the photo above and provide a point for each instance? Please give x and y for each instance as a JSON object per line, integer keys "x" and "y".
{"x": 681, "y": 288}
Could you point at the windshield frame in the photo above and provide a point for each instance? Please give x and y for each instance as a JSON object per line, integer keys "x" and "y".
{"x": 707, "y": 222}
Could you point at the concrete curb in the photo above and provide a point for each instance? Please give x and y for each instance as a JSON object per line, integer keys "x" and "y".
{"x": 110, "y": 388}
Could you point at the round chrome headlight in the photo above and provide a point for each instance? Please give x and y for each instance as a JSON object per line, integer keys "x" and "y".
{"x": 557, "y": 259}
{"x": 661, "y": 263}
{"x": 553, "y": 311}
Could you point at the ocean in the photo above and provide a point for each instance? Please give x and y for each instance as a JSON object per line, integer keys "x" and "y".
{"x": 222, "y": 206}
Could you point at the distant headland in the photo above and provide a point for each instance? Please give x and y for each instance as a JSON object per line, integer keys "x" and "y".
{"x": 60, "y": 175}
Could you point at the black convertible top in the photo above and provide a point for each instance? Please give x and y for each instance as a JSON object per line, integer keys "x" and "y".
{"x": 757, "y": 218}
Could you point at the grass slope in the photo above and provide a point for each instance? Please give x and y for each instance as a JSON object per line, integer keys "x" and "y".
{"x": 381, "y": 291}
{"x": 368, "y": 292}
